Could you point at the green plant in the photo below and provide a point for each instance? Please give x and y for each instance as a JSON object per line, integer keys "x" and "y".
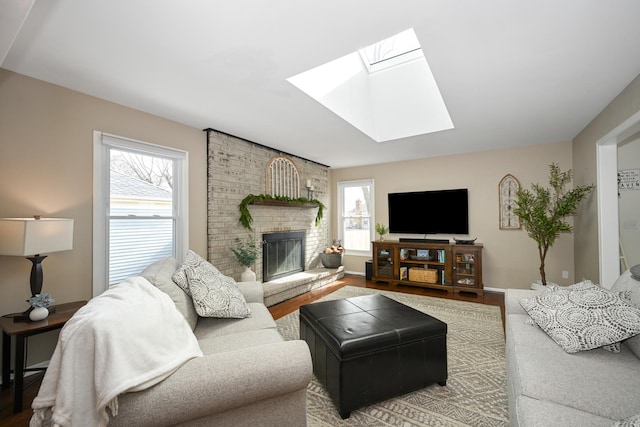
{"x": 245, "y": 215}
{"x": 543, "y": 211}
{"x": 381, "y": 229}
{"x": 246, "y": 251}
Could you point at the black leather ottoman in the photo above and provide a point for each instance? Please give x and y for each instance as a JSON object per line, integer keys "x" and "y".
{"x": 370, "y": 348}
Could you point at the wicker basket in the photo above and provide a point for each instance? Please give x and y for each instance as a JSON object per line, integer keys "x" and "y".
{"x": 417, "y": 274}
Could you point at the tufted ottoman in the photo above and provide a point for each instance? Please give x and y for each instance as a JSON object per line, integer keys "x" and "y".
{"x": 367, "y": 349}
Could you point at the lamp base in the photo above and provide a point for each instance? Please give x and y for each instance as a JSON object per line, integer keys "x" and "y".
{"x": 24, "y": 316}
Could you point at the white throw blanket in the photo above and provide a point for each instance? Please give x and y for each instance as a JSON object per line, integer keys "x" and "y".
{"x": 126, "y": 339}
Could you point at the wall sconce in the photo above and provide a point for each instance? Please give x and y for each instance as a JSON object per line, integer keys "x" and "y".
{"x": 31, "y": 237}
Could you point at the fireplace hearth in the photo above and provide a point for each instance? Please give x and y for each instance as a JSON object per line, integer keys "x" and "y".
{"x": 283, "y": 254}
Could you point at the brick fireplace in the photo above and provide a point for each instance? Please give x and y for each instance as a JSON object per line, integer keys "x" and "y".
{"x": 236, "y": 168}
{"x": 283, "y": 254}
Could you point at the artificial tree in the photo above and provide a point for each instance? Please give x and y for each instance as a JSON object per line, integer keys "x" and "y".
{"x": 543, "y": 211}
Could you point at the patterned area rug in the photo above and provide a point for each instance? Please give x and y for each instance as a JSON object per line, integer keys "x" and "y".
{"x": 475, "y": 394}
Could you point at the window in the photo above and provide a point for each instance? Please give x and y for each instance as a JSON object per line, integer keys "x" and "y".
{"x": 400, "y": 45}
{"x": 140, "y": 207}
{"x": 355, "y": 216}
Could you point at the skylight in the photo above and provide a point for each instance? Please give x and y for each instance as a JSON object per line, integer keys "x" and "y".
{"x": 385, "y": 90}
{"x": 393, "y": 47}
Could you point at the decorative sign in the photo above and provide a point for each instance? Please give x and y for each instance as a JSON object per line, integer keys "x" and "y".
{"x": 629, "y": 179}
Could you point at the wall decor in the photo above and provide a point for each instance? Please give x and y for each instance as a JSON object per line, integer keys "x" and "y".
{"x": 629, "y": 179}
{"x": 508, "y": 190}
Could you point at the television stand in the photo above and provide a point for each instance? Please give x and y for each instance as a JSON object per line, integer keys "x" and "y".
{"x": 445, "y": 266}
{"x": 412, "y": 240}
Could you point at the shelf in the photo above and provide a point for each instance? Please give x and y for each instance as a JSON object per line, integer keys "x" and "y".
{"x": 281, "y": 203}
{"x": 412, "y": 262}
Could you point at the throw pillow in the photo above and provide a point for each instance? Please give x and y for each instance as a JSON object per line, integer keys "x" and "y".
{"x": 633, "y": 421}
{"x": 180, "y": 277}
{"x": 213, "y": 293}
{"x": 626, "y": 282}
{"x": 160, "y": 274}
{"x": 583, "y": 317}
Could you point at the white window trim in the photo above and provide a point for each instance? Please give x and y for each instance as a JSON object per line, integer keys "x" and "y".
{"x": 372, "y": 230}
{"x": 101, "y": 143}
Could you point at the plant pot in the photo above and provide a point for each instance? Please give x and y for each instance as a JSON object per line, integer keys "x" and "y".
{"x": 248, "y": 275}
{"x": 38, "y": 313}
{"x": 331, "y": 260}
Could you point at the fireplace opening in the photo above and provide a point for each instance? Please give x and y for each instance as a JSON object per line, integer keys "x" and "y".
{"x": 282, "y": 254}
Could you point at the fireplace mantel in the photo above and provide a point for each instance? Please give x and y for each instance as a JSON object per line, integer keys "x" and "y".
{"x": 267, "y": 200}
{"x": 282, "y": 203}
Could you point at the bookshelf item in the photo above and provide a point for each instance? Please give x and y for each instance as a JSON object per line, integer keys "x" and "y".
{"x": 447, "y": 266}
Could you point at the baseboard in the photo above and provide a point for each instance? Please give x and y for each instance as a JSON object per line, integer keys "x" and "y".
{"x": 499, "y": 290}
{"x": 354, "y": 273}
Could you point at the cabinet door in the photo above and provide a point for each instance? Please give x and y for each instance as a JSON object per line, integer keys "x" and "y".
{"x": 383, "y": 260}
{"x": 467, "y": 267}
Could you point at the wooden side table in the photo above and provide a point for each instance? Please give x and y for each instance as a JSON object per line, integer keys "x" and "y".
{"x": 22, "y": 330}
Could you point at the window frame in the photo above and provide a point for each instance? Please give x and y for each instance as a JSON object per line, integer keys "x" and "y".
{"x": 102, "y": 143}
{"x": 341, "y": 186}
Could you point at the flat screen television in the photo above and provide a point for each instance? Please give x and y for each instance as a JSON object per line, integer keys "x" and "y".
{"x": 429, "y": 212}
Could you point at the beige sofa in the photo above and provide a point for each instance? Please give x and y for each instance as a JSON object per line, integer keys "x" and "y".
{"x": 549, "y": 387}
{"x": 249, "y": 374}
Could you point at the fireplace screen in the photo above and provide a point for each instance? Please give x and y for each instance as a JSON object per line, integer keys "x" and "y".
{"x": 282, "y": 254}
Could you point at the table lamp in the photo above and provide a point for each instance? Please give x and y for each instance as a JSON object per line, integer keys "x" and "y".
{"x": 31, "y": 237}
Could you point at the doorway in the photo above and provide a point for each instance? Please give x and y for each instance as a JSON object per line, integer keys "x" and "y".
{"x": 607, "y": 191}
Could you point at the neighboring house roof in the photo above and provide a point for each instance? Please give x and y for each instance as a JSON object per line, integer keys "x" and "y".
{"x": 127, "y": 186}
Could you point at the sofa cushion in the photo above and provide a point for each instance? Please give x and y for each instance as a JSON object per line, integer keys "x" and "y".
{"x": 260, "y": 319}
{"x": 547, "y": 373}
{"x": 626, "y": 282}
{"x": 213, "y": 293}
{"x": 239, "y": 341}
{"x": 534, "y": 412}
{"x": 160, "y": 274}
{"x": 583, "y": 317}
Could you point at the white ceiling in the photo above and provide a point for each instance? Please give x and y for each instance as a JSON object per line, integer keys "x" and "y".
{"x": 511, "y": 73}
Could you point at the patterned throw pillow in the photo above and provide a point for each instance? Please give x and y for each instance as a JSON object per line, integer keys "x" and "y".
{"x": 633, "y": 421}
{"x": 180, "y": 276}
{"x": 213, "y": 293}
{"x": 583, "y": 317}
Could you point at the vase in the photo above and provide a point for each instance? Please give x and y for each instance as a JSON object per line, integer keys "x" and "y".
{"x": 248, "y": 275}
{"x": 331, "y": 260}
{"x": 38, "y": 313}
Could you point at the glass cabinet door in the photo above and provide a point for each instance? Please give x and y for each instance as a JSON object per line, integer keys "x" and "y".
{"x": 383, "y": 260}
{"x": 465, "y": 268}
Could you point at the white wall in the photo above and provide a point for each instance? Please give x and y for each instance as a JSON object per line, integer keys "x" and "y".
{"x": 629, "y": 204}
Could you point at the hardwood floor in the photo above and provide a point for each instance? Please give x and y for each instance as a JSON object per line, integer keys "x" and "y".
{"x": 286, "y": 307}
{"x": 32, "y": 383}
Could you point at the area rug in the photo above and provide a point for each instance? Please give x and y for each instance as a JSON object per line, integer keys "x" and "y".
{"x": 475, "y": 394}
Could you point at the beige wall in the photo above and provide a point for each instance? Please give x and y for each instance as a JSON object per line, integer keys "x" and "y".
{"x": 46, "y": 158}
{"x": 625, "y": 105}
{"x": 510, "y": 258}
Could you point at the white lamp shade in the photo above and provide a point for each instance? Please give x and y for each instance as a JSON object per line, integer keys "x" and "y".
{"x": 30, "y": 236}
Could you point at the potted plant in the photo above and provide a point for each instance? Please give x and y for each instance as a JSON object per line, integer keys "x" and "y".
{"x": 543, "y": 211}
{"x": 246, "y": 252}
{"x": 381, "y": 230}
{"x": 40, "y": 306}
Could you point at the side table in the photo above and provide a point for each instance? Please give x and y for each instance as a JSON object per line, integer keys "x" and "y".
{"x": 22, "y": 330}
